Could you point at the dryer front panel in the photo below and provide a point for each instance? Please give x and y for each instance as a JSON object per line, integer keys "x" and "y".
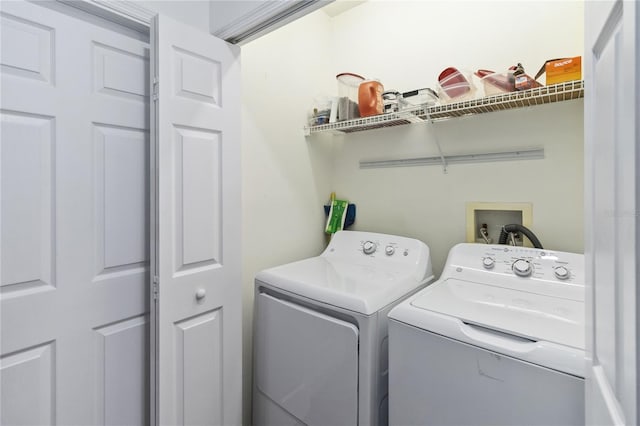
{"x": 307, "y": 362}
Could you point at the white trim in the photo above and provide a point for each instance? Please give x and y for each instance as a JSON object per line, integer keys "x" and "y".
{"x": 256, "y": 17}
{"x": 608, "y": 396}
{"x": 123, "y": 12}
{"x": 266, "y": 17}
{"x": 127, "y": 9}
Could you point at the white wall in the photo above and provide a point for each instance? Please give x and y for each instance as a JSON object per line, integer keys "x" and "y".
{"x": 406, "y": 44}
{"x": 287, "y": 178}
{"x": 425, "y": 203}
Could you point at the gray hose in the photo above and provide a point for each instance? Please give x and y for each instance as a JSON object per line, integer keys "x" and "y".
{"x": 515, "y": 227}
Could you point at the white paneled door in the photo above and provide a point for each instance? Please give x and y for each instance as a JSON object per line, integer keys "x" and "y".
{"x": 197, "y": 310}
{"x": 74, "y": 220}
{"x": 612, "y": 233}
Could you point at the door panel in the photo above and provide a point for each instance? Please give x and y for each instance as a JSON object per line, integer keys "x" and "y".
{"x": 27, "y": 207}
{"x": 113, "y": 72}
{"x": 200, "y": 372}
{"x": 604, "y": 248}
{"x": 28, "y": 48}
{"x": 198, "y": 169}
{"x": 28, "y": 386}
{"x": 197, "y": 78}
{"x": 122, "y": 206}
{"x": 74, "y": 219}
{"x": 122, "y": 372}
{"x": 197, "y": 313}
{"x": 611, "y": 211}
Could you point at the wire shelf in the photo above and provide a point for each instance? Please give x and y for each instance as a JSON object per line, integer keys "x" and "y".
{"x": 407, "y": 116}
{"x": 531, "y": 97}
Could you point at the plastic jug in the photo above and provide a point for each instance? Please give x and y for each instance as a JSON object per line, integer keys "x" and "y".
{"x": 370, "y": 98}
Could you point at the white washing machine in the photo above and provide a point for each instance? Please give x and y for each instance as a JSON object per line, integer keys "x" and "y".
{"x": 320, "y": 330}
{"x": 497, "y": 340}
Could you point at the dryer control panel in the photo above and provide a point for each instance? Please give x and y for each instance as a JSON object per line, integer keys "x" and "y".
{"x": 380, "y": 249}
{"x": 516, "y": 267}
{"x": 388, "y": 247}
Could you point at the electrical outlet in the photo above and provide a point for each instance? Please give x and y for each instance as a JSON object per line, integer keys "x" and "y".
{"x": 492, "y": 217}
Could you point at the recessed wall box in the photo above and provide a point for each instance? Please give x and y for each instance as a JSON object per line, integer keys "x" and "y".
{"x": 495, "y": 215}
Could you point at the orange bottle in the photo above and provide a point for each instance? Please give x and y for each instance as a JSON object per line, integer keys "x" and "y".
{"x": 370, "y": 98}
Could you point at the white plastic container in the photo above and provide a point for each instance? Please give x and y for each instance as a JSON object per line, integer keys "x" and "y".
{"x": 391, "y": 100}
{"x": 348, "y": 84}
{"x": 497, "y": 83}
{"x": 419, "y": 97}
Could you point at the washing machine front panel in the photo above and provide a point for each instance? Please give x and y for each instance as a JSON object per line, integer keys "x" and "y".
{"x": 307, "y": 362}
{"x": 440, "y": 381}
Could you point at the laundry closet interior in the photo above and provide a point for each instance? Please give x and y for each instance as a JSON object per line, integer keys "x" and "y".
{"x": 77, "y": 196}
{"x": 406, "y": 45}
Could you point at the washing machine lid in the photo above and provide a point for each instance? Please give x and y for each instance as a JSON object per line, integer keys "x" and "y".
{"x": 529, "y": 315}
{"x": 539, "y": 329}
{"x": 360, "y": 287}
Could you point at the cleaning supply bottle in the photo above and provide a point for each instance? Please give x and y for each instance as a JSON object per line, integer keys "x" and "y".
{"x": 370, "y": 98}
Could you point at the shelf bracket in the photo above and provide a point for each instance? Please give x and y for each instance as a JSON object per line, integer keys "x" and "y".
{"x": 435, "y": 139}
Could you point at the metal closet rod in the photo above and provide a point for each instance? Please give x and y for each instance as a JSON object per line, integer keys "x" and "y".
{"x": 485, "y": 157}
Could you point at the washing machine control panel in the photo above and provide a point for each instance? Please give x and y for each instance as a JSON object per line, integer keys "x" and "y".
{"x": 488, "y": 262}
{"x": 481, "y": 261}
{"x": 562, "y": 272}
{"x": 522, "y": 268}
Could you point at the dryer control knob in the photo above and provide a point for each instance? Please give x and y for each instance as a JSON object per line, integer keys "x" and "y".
{"x": 389, "y": 250}
{"x": 488, "y": 262}
{"x": 561, "y": 273}
{"x": 368, "y": 247}
{"x": 522, "y": 268}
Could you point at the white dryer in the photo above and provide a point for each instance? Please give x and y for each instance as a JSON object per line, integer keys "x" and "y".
{"x": 497, "y": 340}
{"x": 320, "y": 330}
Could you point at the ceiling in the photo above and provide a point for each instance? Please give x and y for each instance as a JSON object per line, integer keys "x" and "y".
{"x": 337, "y": 7}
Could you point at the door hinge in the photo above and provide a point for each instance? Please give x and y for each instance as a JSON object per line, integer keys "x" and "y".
{"x": 154, "y": 95}
{"x": 156, "y": 281}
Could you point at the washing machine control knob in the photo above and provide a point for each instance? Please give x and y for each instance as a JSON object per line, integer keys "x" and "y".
{"x": 561, "y": 273}
{"x": 488, "y": 262}
{"x": 369, "y": 247}
{"x": 389, "y": 250}
{"x": 522, "y": 268}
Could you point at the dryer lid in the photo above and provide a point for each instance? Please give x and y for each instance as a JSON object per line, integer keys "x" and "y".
{"x": 529, "y": 315}
{"x": 364, "y": 287}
